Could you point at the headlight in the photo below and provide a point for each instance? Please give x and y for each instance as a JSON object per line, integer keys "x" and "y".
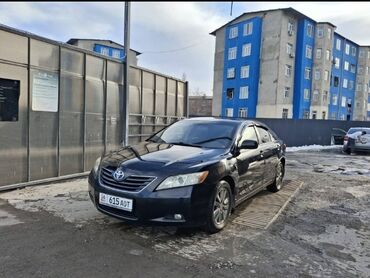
{"x": 183, "y": 180}
{"x": 97, "y": 164}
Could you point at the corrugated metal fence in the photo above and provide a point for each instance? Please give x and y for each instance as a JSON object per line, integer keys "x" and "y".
{"x": 68, "y": 108}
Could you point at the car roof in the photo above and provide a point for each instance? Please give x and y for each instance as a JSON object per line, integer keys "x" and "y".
{"x": 227, "y": 119}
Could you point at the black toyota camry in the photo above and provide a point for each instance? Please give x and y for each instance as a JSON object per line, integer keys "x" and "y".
{"x": 192, "y": 173}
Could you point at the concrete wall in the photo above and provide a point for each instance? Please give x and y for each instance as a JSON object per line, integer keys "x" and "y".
{"x": 322, "y": 64}
{"x": 218, "y": 72}
{"x": 363, "y": 78}
{"x": 200, "y": 106}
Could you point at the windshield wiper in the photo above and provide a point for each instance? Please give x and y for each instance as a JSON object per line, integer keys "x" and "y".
{"x": 213, "y": 139}
{"x": 185, "y": 144}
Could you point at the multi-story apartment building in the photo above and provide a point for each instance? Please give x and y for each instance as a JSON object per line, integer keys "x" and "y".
{"x": 282, "y": 64}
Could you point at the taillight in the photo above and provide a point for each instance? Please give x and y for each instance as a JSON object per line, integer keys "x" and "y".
{"x": 346, "y": 138}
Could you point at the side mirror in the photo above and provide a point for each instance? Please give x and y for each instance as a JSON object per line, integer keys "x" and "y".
{"x": 249, "y": 144}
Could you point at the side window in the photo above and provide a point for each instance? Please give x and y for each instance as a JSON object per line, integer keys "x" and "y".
{"x": 264, "y": 135}
{"x": 249, "y": 133}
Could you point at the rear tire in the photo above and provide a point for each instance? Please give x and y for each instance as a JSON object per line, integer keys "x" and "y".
{"x": 278, "y": 183}
{"x": 219, "y": 208}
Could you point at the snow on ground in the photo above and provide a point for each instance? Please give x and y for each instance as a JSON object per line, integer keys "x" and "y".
{"x": 312, "y": 148}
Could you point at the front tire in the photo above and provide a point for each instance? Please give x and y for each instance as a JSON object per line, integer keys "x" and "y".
{"x": 219, "y": 208}
{"x": 278, "y": 183}
{"x": 348, "y": 151}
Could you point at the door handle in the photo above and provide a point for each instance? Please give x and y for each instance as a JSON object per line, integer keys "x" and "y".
{"x": 261, "y": 154}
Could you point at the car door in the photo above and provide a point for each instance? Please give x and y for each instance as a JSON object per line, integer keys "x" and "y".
{"x": 268, "y": 151}
{"x": 250, "y": 164}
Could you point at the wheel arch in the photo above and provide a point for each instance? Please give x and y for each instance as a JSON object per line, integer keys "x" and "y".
{"x": 232, "y": 184}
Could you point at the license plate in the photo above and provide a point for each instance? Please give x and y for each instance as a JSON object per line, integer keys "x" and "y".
{"x": 115, "y": 202}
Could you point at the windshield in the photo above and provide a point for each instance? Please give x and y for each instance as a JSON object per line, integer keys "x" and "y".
{"x": 353, "y": 130}
{"x": 217, "y": 135}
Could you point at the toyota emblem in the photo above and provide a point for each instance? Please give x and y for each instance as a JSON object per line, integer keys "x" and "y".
{"x": 118, "y": 175}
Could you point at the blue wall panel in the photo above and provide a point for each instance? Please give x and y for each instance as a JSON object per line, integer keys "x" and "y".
{"x": 300, "y": 105}
{"x": 254, "y": 68}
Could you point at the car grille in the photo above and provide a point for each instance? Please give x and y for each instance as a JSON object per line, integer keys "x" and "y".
{"x": 129, "y": 183}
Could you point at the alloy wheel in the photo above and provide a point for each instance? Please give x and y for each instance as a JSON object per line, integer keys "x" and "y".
{"x": 279, "y": 175}
{"x": 221, "y": 206}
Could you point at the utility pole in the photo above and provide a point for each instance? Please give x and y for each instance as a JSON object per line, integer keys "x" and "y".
{"x": 126, "y": 69}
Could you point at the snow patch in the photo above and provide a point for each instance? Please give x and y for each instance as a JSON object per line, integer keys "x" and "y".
{"x": 312, "y": 148}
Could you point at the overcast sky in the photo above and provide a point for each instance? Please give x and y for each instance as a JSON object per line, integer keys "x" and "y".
{"x": 173, "y": 37}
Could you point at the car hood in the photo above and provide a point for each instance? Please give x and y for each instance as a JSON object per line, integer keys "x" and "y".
{"x": 157, "y": 156}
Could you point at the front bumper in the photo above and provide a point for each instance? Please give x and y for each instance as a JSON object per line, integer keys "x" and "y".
{"x": 157, "y": 207}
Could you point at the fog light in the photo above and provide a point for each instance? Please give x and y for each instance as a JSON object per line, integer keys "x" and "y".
{"x": 178, "y": 216}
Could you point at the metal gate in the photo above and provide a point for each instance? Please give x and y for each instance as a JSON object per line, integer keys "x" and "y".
{"x": 70, "y": 107}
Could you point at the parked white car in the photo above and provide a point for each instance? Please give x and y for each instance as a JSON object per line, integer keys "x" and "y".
{"x": 357, "y": 139}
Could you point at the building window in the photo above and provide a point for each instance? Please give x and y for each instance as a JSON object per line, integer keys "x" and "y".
{"x": 350, "y": 86}
{"x": 360, "y": 70}
{"x": 353, "y": 51}
{"x": 335, "y": 99}
{"x": 318, "y": 53}
{"x": 243, "y": 112}
{"x": 229, "y": 112}
{"x": 359, "y": 87}
{"x": 289, "y": 48}
{"x": 343, "y": 101}
{"x": 284, "y": 115}
{"x": 230, "y": 93}
{"x": 367, "y": 71}
{"x": 345, "y": 83}
{"x": 315, "y": 95}
{"x": 327, "y": 55}
{"x": 353, "y": 68}
{"x": 306, "y": 94}
{"x": 336, "y": 81}
{"x": 326, "y": 75}
{"x": 346, "y": 65}
{"x": 306, "y": 114}
{"x": 246, "y": 49}
{"x": 307, "y": 73}
{"x": 288, "y": 70}
{"x": 347, "y": 48}
{"x": 314, "y": 115}
{"x": 244, "y": 72}
{"x": 232, "y": 53}
{"x": 365, "y": 88}
{"x": 337, "y": 62}
{"x": 329, "y": 33}
{"x": 286, "y": 92}
{"x": 361, "y": 53}
{"x": 320, "y": 32}
{"x": 248, "y": 29}
{"x": 230, "y": 73}
{"x": 323, "y": 115}
{"x": 243, "y": 92}
{"x": 309, "y": 30}
{"x": 317, "y": 75}
{"x": 116, "y": 53}
{"x": 104, "y": 51}
{"x": 308, "y": 52}
{"x": 233, "y": 32}
{"x": 290, "y": 27}
{"x": 338, "y": 44}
